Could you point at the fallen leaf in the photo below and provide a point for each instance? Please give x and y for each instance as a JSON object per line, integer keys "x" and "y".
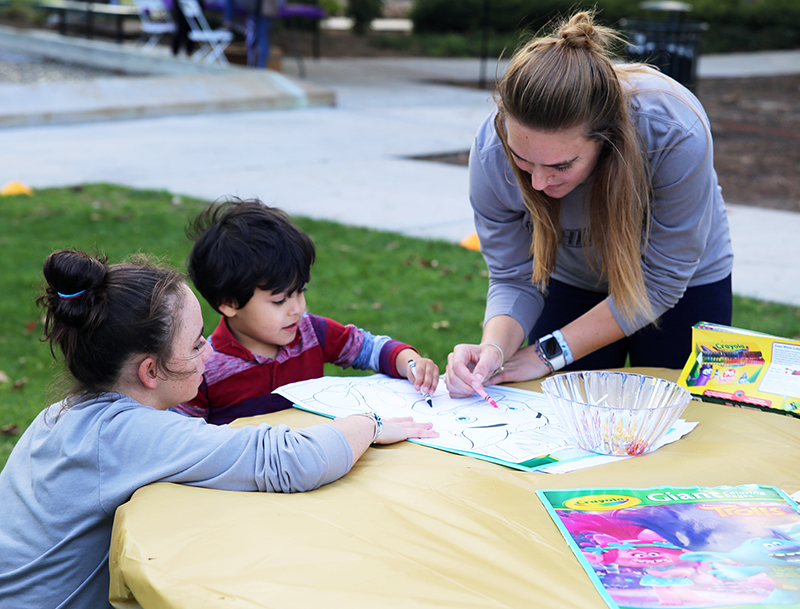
{"x": 4, "y": 378}
{"x": 20, "y": 383}
{"x": 9, "y": 430}
{"x": 440, "y": 324}
{"x": 30, "y": 327}
{"x": 376, "y": 306}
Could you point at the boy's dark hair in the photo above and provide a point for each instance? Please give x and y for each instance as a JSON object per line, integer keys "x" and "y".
{"x": 241, "y": 245}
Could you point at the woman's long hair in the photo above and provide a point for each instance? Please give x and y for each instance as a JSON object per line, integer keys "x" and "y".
{"x": 565, "y": 81}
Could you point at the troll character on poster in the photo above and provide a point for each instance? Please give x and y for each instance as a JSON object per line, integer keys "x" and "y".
{"x": 684, "y": 547}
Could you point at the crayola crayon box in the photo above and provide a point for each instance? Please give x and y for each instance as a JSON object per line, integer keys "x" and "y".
{"x": 743, "y": 368}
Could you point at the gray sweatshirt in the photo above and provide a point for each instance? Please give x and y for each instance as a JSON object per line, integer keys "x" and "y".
{"x": 69, "y": 473}
{"x": 689, "y": 242}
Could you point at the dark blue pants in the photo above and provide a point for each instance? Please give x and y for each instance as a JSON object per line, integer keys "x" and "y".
{"x": 667, "y": 345}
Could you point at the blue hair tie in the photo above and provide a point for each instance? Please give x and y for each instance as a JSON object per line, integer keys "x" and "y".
{"x": 70, "y": 296}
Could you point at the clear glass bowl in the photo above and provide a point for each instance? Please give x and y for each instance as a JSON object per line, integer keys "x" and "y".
{"x": 615, "y": 413}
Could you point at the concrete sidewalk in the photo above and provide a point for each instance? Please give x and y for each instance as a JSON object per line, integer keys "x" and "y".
{"x": 353, "y": 162}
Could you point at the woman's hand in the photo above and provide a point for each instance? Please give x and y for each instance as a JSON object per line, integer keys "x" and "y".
{"x": 403, "y": 428}
{"x": 470, "y": 364}
{"x": 359, "y": 429}
{"x": 524, "y": 365}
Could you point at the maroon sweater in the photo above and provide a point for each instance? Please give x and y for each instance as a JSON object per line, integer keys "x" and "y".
{"x": 239, "y": 383}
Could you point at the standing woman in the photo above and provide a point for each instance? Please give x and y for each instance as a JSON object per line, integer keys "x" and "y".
{"x": 132, "y": 340}
{"x": 598, "y": 212}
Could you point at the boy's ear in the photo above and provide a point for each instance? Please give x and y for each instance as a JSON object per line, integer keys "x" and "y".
{"x": 228, "y": 309}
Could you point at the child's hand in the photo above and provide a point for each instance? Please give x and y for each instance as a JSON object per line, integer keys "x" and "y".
{"x": 426, "y": 377}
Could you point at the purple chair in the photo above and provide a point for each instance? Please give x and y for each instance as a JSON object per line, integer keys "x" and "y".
{"x": 290, "y": 13}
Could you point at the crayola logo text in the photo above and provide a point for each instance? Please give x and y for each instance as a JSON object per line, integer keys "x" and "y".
{"x": 731, "y": 347}
{"x": 599, "y": 503}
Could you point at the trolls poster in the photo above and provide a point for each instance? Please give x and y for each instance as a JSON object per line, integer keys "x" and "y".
{"x": 743, "y": 368}
{"x": 728, "y": 546}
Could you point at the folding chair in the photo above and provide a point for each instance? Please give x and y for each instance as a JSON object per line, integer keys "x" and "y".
{"x": 156, "y": 21}
{"x": 212, "y": 43}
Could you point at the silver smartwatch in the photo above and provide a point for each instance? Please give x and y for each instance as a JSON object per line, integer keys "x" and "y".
{"x": 551, "y": 348}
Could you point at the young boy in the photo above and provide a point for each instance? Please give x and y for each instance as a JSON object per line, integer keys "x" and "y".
{"x": 252, "y": 265}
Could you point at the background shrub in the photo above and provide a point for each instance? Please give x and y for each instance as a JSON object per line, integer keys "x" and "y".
{"x": 734, "y": 25}
{"x": 363, "y": 12}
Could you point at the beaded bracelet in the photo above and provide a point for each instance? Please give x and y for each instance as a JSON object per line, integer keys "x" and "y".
{"x": 538, "y": 348}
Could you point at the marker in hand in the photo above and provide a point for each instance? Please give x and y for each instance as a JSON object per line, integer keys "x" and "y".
{"x": 413, "y": 367}
{"x": 482, "y": 392}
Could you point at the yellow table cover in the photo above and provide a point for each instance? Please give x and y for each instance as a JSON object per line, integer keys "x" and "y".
{"x": 412, "y": 526}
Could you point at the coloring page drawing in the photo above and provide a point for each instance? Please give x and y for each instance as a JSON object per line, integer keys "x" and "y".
{"x": 523, "y": 426}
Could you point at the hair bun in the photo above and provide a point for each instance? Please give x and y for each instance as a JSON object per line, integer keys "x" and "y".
{"x": 74, "y": 291}
{"x": 580, "y": 32}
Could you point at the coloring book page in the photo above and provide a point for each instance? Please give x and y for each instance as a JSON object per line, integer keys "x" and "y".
{"x": 724, "y": 546}
{"x": 523, "y": 432}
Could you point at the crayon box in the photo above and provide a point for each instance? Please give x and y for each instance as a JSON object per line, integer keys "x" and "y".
{"x": 743, "y": 368}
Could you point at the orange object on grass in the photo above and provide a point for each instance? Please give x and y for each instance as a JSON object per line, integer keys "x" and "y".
{"x": 15, "y": 188}
{"x": 471, "y": 242}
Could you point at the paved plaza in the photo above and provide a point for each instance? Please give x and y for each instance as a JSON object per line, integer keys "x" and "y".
{"x": 353, "y": 162}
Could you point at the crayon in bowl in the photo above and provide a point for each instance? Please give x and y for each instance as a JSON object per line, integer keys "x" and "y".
{"x": 615, "y": 413}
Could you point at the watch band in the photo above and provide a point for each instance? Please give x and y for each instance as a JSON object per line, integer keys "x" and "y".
{"x": 551, "y": 349}
{"x": 564, "y": 347}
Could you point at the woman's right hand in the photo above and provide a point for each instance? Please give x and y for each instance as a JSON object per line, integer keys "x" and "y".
{"x": 398, "y": 429}
{"x": 468, "y": 365}
{"x": 359, "y": 429}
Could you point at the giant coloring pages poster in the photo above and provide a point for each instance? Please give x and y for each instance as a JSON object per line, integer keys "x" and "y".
{"x": 725, "y": 546}
{"x": 523, "y": 432}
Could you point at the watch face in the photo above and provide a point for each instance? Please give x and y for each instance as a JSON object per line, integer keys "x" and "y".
{"x": 551, "y": 348}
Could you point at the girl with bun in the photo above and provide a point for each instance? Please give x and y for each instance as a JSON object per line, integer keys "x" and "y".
{"x": 131, "y": 336}
{"x": 598, "y": 212}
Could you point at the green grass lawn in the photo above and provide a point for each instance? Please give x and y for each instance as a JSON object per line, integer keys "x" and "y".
{"x": 428, "y": 293}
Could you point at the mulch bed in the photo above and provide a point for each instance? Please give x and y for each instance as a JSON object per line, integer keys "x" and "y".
{"x": 756, "y": 127}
